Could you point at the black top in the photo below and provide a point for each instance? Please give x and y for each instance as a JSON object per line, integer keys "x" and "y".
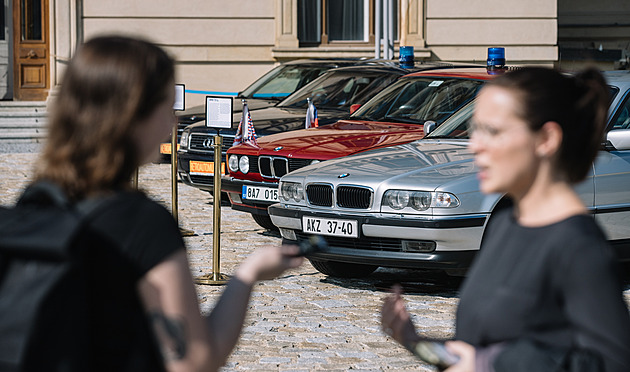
{"x": 133, "y": 235}
{"x": 557, "y": 284}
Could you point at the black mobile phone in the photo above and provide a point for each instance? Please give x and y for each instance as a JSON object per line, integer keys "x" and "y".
{"x": 315, "y": 243}
{"x": 434, "y": 352}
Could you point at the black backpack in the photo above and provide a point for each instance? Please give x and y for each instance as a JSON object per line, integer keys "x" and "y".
{"x": 44, "y": 307}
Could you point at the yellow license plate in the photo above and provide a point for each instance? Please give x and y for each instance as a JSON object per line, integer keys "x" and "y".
{"x": 165, "y": 148}
{"x": 204, "y": 168}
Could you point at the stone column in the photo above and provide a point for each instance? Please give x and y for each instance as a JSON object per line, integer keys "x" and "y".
{"x": 412, "y": 23}
{"x": 286, "y": 24}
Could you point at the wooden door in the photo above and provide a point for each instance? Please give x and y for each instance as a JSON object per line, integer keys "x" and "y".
{"x": 31, "y": 45}
{"x": 6, "y": 73}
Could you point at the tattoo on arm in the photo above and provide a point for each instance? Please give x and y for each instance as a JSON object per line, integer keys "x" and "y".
{"x": 171, "y": 335}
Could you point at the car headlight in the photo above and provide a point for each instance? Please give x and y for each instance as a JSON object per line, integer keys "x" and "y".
{"x": 314, "y": 161}
{"x": 243, "y": 164}
{"x": 398, "y": 200}
{"x": 183, "y": 140}
{"x": 291, "y": 191}
{"x": 298, "y": 192}
{"x": 420, "y": 200}
{"x": 233, "y": 163}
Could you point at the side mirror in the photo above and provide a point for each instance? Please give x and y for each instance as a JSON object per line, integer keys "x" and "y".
{"x": 618, "y": 139}
{"x": 354, "y": 107}
{"x": 429, "y": 126}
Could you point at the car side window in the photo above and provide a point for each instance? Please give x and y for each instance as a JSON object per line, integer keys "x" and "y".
{"x": 622, "y": 118}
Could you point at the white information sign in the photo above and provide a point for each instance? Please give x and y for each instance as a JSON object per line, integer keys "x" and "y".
{"x": 219, "y": 112}
{"x": 179, "y": 104}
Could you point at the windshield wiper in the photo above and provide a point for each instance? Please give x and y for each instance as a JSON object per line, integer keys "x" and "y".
{"x": 365, "y": 118}
{"x": 401, "y": 120}
{"x": 444, "y": 137}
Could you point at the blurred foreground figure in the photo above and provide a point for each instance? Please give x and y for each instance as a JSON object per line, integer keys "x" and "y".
{"x": 544, "y": 292}
{"x": 113, "y": 109}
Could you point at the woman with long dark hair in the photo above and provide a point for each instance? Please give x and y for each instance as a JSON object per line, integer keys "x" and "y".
{"x": 113, "y": 109}
{"x": 544, "y": 288}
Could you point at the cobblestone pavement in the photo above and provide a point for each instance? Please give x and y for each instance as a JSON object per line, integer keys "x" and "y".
{"x": 304, "y": 320}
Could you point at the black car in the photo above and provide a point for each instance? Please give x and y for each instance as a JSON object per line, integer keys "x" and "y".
{"x": 333, "y": 94}
{"x": 267, "y": 91}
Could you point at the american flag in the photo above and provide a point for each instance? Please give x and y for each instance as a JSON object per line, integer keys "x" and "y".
{"x": 245, "y": 131}
{"x": 311, "y": 115}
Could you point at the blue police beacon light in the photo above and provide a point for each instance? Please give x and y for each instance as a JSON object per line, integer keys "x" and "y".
{"x": 496, "y": 60}
{"x": 405, "y": 57}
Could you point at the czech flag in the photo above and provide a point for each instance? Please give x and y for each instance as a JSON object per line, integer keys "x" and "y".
{"x": 245, "y": 131}
{"x": 311, "y": 115}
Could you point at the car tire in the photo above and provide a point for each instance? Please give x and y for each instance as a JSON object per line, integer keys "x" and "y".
{"x": 342, "y": 269}
{"x": 264, "y": 221}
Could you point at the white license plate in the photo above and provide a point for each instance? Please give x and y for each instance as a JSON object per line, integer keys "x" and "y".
{"x": 259, "y": 193}
{"x": 330, "y": 226}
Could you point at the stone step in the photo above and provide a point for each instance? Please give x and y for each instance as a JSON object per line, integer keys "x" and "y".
{"x": 31, "y": 135}
{"x": 22, "y": 121}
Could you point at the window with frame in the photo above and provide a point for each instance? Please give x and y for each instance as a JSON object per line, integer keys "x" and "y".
{"x": 338, "y": 21}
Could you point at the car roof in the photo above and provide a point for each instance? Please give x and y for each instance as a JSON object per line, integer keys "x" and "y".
{"x": 389, "y": 65}
{"x": 478, "y": 73}
{"x": 617, "y": 75}
{"x": 330, "y": 61}
{"x": 618, "y": 78}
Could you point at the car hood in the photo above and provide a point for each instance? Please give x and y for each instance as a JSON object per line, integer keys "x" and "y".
{"x": 445, "y": 165}
{"x": 342, "y": 138}
{"x": 279, "y": 119}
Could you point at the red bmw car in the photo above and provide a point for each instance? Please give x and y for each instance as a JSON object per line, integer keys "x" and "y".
{"x": 401, "y": 113}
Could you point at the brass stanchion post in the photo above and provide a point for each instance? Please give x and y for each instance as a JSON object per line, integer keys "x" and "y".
{"x": 174, "y": 205}
{"x": 134, "y": 180}
{"x": 216, "y": 278}
{"x": 174, "y": 173}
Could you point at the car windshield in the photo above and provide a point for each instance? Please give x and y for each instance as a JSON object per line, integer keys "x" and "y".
{"x": 418, "y": 99}
{"x": 340, "y": 89}
{"x": 282, "y": 81}
{"x": 457, "y": 126}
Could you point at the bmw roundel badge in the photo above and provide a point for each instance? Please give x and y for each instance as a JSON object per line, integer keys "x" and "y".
{"x": 278, "y": 148}
{"x": 343, "y": 175}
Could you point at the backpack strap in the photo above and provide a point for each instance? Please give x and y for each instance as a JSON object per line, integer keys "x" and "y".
{"x": 44, "y": 194}
{"x": 44, "y": 222}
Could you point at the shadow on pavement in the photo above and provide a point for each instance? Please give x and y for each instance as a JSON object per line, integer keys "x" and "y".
{"x": 418, "y": 282}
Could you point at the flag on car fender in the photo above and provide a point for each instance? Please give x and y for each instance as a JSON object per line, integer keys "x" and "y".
{"x": 245, "y": 131}
{"x": 311, "y": 115}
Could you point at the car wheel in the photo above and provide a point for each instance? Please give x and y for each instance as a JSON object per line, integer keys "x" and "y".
{"x": 264, "y": 221}
{"x": 342, "y": 269}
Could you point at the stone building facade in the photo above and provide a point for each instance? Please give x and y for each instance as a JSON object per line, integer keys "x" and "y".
{"x": 222, "y": 46}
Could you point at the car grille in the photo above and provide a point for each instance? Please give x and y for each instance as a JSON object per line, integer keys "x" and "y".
{"x": 298, "y": 163}
{"x": 203, "y": 143}
{"x": 273, "y": 167}
{"x": 372, "y": 243}
{"x": 276, "y": 167}
{"x": 201, "y": 180}
{"x": 354, "y": 197}
{"x": 253, "y": 164}
{"x": 320, "y": 195}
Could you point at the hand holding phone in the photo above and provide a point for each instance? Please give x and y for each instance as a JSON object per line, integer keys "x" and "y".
{"x": 434, "y": 352}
